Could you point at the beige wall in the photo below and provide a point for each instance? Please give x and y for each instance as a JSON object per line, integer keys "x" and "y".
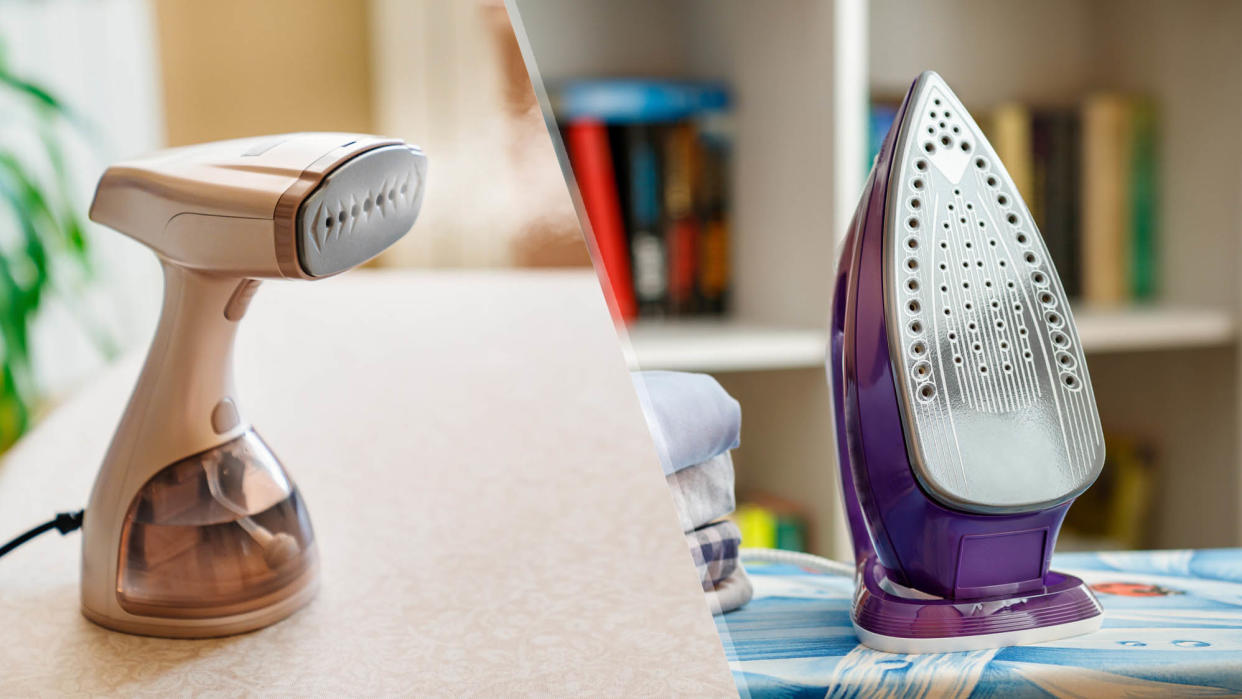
{"x": 236, "y": 68}
{"x": 449, "y": 76}
{"x": 446, "y": 75}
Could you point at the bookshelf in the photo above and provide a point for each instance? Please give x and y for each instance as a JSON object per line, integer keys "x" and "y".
{"x": 802, "y": 73}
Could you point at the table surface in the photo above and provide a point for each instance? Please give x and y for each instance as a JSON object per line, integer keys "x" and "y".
{"x": 489, "y": 508}
{"x": 1172, "y": 627}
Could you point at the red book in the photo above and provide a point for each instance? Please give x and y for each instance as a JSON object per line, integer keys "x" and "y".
{"x": 682, "y": 232}
{"x": 587, "y": 142}
{"x": 683, "y": 241}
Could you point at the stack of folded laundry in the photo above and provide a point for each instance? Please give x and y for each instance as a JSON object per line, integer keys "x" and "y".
{"x": 694, "y": 424}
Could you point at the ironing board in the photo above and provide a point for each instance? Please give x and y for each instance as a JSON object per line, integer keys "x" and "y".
{"x": 489, "y": 507}
{"x": 1172, "y": 627}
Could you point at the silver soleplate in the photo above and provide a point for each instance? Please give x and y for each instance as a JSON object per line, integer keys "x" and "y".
{"x": 998, "y": 409}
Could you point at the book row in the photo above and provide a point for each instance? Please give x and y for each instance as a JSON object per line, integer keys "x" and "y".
{"x": 1090, "y": 176}
{"x": 651, "y": 160}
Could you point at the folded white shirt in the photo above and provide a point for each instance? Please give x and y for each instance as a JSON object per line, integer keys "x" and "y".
{"x": 691, "y": 418}
{"x": 703, "y": 492}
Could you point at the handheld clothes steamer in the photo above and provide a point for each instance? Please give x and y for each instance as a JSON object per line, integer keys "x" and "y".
{"x": 966, "y": 422}
{"x": 193, "y": 527}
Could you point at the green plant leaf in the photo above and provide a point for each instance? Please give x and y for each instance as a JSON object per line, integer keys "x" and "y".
{"x": 14, "y": 413}
{"x": 70, "y": 220}
{"x": 32, "y": 215}
{"x": 51, "y": 230}
{"x": 38, "y": 96}
{"x": 15, "y": 315}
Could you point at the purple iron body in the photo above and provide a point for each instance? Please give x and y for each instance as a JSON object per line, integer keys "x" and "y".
{"x": 965, "y": 418}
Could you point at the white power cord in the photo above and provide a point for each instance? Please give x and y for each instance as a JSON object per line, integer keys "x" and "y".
{"x": 806, "y": 560}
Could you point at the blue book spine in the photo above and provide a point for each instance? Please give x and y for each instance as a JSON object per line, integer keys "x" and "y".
{"x": 625, "y": 101}
{"x": 647, "y": 251}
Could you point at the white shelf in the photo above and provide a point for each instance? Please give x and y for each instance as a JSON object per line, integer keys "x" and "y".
{"x": 727, "y": 346}
{"x": 722, "y": 345}
{"x": 1153, "y": 328}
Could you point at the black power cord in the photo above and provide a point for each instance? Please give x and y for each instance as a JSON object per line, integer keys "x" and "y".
{"x": 65, "y": 522}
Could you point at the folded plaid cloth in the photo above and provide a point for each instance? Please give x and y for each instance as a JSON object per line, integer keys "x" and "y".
{"x": 731, "y": 593}
{"x": 703, "y": 493}
{"x": 714, "y": 550}
{"x": 690, "y": 416}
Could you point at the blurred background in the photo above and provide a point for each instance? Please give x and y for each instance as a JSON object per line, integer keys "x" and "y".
{"x": 720, "y": 147}
{"x": 85, "y": 83}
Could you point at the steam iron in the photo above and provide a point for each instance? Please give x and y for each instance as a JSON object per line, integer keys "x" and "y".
{"x": 966, "y": 422}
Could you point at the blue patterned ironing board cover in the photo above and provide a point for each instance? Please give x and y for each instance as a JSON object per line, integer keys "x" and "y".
{"x": 1172, "y": 627}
